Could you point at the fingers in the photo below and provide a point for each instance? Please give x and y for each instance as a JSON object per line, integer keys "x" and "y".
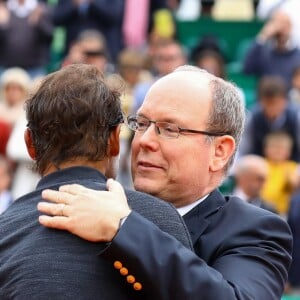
{"x": 115, "y": 186}
{"x": 53, "y": 209}
{"x": 73, "y": 189}
{"x": 57, "y": 196}
{"x": 54, "y": 222}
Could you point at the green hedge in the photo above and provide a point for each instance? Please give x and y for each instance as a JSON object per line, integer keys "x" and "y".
{"x": 232, "y": 35}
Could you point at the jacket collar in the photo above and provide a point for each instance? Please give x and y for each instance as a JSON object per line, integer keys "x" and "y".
{"x": 197, "y": 219}
{"x": 71, "y": 175}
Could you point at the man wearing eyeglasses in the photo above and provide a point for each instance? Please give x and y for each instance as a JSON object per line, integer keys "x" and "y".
{"x": 186, "y": 134}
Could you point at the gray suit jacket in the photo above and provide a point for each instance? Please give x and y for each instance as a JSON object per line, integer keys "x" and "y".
{"x": 41, "y": 263}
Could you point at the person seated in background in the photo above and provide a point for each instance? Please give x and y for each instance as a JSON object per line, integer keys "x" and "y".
{"x": 273, "y": 52}
{"x": 250, "y": 174}
{"x": 273, "y": 112}
{"x": 283, "y": 178}
{"x": 104, "y": 17}
{"x": 73, "y": 128}
{"x": 265, "y": 8}
{"x": 212, "y": 62}
{"x": 26, "y": 32}
{"x": 5, "y": 180}
{"x": 208, "y": 55}
{"x": 89, "y": 48}
{"x": 15, "y": 86}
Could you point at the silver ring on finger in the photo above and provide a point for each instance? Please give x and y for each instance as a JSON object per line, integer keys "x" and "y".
{"x": 62, "y": 207}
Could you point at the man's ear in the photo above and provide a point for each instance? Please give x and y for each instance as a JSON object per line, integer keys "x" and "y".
{"x": 29, "y": 143}
{"x": 224, "y": 149}
{"x": 114, "y": 142}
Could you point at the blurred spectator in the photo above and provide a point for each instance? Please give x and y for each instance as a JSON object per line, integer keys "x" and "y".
{"x": 273, "y": 53}
{"x": 294, "y": 93}
{"x": 250, "y": 173}
{"x": 104, "y": 16}
{"x": 167, "y": 56}
{"x": 89, "y": 48}
{"x": 26, "y": 32}
{"x": 207, "y": 54}
{"x": 25, "y": 178}
{"x": 5, "y": 180}
{"x": 15, "y": 84}
{"x": 265, "y": 8}
{"x": 211, "y": 61}
{"x": 272, "y": 113}
{"x": 294, "y": 222}
{"x": 283, "y": 177}
{"x": 131, "y": 67}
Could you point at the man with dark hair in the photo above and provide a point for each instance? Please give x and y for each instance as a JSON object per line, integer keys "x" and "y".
{"x": 73, "y": 135}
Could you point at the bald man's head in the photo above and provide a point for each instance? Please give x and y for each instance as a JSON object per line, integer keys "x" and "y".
{"x": 251, "y": 172}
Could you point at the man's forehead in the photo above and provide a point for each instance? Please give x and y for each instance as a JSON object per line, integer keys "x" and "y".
{"x": 185, "y": 85}
{"x": 177, "y": 100}
{"x": 199, "y": 77}
{"x": 181, "y": 81}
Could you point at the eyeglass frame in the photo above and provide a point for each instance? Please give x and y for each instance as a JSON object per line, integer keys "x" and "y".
{"x": 180, "y": 129}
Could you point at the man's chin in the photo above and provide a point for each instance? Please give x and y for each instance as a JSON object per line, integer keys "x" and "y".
{"x": 145, "y": 186}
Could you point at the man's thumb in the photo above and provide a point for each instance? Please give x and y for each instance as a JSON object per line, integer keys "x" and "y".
{"x": 115, "y": 186}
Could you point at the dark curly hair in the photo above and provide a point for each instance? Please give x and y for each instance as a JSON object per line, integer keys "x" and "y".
{"x": 71, "y": 115}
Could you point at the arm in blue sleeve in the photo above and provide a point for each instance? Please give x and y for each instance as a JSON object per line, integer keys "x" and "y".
{"x": 256, "y": 269}
{"x": 165, "y": 268}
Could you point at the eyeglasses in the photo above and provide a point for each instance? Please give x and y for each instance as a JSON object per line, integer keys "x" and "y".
{"x": 165, "y": 129}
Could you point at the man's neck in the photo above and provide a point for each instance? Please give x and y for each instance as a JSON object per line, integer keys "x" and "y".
{"x": 101, "y": 166}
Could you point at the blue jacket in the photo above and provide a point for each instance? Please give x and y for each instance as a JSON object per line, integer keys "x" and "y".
{"x": 244, "y": 253}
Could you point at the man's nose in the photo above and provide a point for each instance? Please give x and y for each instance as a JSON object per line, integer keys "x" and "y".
{"x": 149, "y": 138}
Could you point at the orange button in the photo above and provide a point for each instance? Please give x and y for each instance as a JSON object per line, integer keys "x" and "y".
{"x": 137, "y": 286}
{"x": 130, "y": 279}
{"x": 118, "y": 265}
{"x": 124, "y": 271}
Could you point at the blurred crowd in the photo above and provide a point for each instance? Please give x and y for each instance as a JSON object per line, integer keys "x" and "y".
{"x": 134, "y": 42}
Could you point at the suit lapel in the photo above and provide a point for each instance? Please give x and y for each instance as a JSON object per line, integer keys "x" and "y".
{"x": 197, "y": 219}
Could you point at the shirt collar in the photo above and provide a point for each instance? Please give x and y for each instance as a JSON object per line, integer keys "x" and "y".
{"x": 185, "y": 209}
